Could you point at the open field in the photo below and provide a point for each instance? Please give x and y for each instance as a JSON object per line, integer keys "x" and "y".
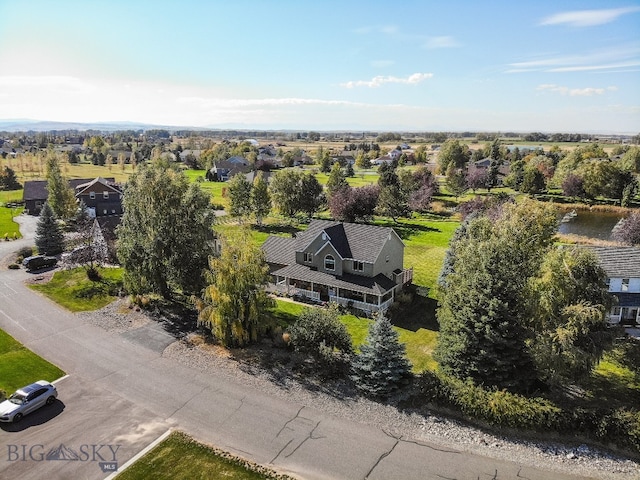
{"x": 180, "y": 457}
{"x": 20, "y": 366}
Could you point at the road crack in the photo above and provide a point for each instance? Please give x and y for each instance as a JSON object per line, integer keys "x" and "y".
{"x": 309, "y": 437}
{"x": 289, "y": 421}
{"x": 383, "y": 456}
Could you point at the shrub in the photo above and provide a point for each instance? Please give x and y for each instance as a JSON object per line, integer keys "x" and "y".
{"x": 620, "y": 427}
{"x": 321, "y": 334}
{"x": 14, "y": 266}
{"x": 25, "y": 252}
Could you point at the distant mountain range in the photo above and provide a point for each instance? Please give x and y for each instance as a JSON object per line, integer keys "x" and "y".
{"x": 25, "y": 125}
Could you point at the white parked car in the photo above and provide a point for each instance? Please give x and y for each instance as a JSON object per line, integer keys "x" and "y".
{"x": 26, "y": 400}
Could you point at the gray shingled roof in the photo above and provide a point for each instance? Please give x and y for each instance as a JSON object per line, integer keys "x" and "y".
{"x": 37, "y": 189}
{"x": 351, "y": 240}
{"x": 619, "y": 262}
{"x": 378, "y": 285}
{"x": 280, "y": 250}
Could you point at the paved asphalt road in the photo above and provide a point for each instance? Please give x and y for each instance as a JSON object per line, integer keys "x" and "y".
{"x": 121, "y": 394}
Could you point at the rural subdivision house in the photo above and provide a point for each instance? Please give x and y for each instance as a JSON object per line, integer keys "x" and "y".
{"x": 102, "y": 195}
{"x": 622, "y": 266}
{"x": 354, "y": 265}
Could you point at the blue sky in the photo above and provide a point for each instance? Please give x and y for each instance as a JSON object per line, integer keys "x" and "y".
{"x": 565, "y": 66}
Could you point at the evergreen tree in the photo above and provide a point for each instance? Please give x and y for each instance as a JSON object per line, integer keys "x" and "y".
{"x": 311, "y": 196}
{"x": 349, "y": 170}
{"x": 49, "y": 237}
{"x": 9, "y": 180}
{"x": 381, "y": 366}
{"x": 260, "y": 198}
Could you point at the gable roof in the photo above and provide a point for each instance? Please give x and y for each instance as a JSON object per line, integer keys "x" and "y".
{"x": 619, "y": 262}
{"x": 351, "y": 240}
{"x": 37, "y": 189}
{"x": 83, "y": 187}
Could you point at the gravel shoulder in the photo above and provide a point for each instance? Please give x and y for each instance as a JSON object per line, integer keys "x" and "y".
{"x": 341, "y": 400}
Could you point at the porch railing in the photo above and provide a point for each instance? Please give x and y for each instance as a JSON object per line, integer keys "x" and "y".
{"x": 364, "y": 306}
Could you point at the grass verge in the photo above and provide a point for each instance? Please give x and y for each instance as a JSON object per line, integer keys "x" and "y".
{"x": 19, "y": 366}
{"x": 74, "y": 291}
{"x": 9, "y": 230}
{"x": 181, "y": 457}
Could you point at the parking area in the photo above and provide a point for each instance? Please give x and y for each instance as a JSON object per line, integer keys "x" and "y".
{"x": 86, "y": 433}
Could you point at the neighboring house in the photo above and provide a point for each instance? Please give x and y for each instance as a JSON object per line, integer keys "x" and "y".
{"x": 622, "y": 266}
{"x": 101, "y": 196}
{"x": 223, "y": 170}
{"x": 251, "y": 176}
{"x": 35, "y": 193}
{"x": 347, "y": 263}
{"x": 503, "y": 168}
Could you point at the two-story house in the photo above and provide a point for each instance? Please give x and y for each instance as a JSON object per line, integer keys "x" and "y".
{"x": 101, "y": 196}
{"x": 347, "y": 263}
{"x": 622, "y": 266}
{"x": 35, "y": 192}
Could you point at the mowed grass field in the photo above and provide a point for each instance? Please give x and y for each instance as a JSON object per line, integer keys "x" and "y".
{"x": 19, "y": 366}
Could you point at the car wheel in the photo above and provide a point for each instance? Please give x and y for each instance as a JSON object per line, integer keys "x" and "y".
{"x": 50, "y": 400}
{"x": 17, "y": 418}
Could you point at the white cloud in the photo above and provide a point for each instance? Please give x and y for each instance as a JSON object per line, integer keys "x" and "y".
{"x": 575, "y": 92}
{"x": 587, "y": 18}
{"x": 53, "y": 83}
{"x": 620, "y": 57}
{"x": 441, "y": 42}
{"x": 380, "y": 80}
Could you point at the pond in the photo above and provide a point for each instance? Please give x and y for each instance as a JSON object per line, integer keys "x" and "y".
{"x": 590, "y": 224}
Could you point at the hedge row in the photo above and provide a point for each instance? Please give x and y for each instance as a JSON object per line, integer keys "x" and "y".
{"x": 499, "y": 408}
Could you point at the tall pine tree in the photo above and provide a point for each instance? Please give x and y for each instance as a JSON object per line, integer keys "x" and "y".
{"x": 382, "y": 366}
{"x": 49, "y": 236}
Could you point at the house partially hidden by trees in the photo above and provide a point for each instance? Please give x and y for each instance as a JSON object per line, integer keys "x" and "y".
{"x": 223, "y": 170}
{"x": 622, "y": 266}
{"x": 102, "y": 195}
{"x": 351, "y": 264}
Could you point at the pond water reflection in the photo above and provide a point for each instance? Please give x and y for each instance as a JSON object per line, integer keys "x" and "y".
{"x": 590, "y": 224}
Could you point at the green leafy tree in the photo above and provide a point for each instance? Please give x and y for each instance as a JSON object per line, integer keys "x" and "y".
{"x": 381, "y": 367}
{"x": 532, "y": 181}
{"x": 310, "y": 195}
{"x": 392, "y": 202}
{"x": 325, "y": 162}
{"x": 239, "y": 193}
{"x": 166, "y": 236}
{"x": 284, "y": 190}
{"x": 260, "y": 198}
{"x": 631, "y": 160}
{"x": 49, "y": 237}
{"x": 569, "y": 301}
{"x": 336, "y": 180}
{"x": 61, "y": 197}
{"x": 234, "y": 305}
{"x": 453, "y": 153}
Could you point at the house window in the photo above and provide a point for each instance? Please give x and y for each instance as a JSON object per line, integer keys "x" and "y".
{"x": 625, "y": 285}
{"x": 308, "y": 257}
{"x": 92, "y": 195}
{"x": 616, "y": 311}
{"x": 105, "y": 194}
{"x": 608, "y": 284}
{"x": 358, "y": 266}
{"x": 329, "y": 262}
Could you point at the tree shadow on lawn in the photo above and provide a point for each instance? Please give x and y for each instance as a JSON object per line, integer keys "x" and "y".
{"x": 419, "y": 312}
{"x": 407, "y": 228}
{"x": 277, "y": 229}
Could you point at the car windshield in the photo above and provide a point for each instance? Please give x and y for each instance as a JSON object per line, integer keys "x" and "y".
{"x": 17, "y": 399}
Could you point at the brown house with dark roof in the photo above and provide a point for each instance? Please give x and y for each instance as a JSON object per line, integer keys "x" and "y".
{"x": 347, "y": 263}
{"x": 35, "y": 193}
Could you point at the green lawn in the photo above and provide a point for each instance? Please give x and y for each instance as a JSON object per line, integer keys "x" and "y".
{"x": 215, "y": 189}
{"x": 20, "y": 366}
{"x": 74, "y": 291}
{"x": 180, "y": 457}
{"x": 8, "y": 228}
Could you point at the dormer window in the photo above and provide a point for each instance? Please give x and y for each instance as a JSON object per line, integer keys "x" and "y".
{"x": 358, "y": 266}
{"x": 625, "y": 285}
{"x": 105, "y": 195}
{"x": 92, "y": 195}
{"x": 329, "y": 263}
{"x": 308, "y": 257}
